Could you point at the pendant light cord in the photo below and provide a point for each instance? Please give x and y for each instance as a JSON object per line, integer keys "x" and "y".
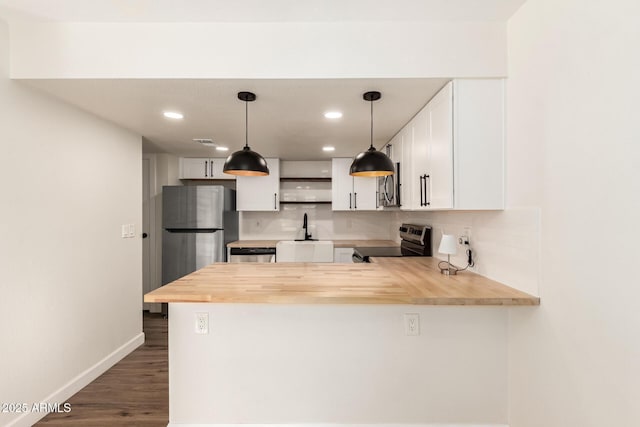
{"x": 371, "y": 102}
{"x": 246, "y": 124}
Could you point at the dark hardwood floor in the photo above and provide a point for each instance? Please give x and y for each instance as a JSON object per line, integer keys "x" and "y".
{"x": 134, "y": 392}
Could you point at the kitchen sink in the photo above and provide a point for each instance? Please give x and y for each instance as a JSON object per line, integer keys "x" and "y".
{"x": 304, "y": 251}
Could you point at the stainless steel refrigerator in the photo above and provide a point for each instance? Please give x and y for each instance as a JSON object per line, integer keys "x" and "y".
{"x": 198, "y": 221}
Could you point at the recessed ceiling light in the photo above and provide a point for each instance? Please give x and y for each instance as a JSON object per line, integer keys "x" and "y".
{"x": 222, "y": 149}
{"x": 328, "y": 148}
{"x": 173, "y": 115}
{"x": 333, "y": 114}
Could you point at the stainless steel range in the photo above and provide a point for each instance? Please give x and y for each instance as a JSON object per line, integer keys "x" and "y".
{"x": 416, "y": 241}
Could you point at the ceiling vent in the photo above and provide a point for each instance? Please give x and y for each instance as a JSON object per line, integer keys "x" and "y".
{"x": 206, "y": 142}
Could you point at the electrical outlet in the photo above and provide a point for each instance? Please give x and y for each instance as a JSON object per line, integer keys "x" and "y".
{"x": 202, "y": 323}
{"x": 411, "y": 324}
{"x": 467, "y": 232}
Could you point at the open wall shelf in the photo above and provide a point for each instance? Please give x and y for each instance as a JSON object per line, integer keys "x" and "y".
{"x": 305, "y": 179}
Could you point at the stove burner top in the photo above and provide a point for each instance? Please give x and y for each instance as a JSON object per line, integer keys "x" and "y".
{"x": 416, "y": 241}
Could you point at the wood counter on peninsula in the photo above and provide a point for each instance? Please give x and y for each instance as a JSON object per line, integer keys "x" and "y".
{"x": 403, "y": 280}
{"x": 330, "y": 344}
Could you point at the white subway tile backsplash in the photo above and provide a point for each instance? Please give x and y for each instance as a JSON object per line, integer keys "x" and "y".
{"x": 323, "y": 223}
{"x": 505, "y": 244}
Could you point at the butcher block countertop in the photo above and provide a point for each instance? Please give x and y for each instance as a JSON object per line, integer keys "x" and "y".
{"x": 400, "y": 280}
{"x": 336, "y": 243}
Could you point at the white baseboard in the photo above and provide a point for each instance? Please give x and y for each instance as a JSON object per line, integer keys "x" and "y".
{"x": 337, "y": 425}
{"x": 80, "y": 381}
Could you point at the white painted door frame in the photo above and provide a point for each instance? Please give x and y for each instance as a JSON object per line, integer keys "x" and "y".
{"x": 150, "y": 277}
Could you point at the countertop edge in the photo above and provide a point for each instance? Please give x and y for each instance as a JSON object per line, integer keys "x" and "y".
{"x": 491, "y": 302}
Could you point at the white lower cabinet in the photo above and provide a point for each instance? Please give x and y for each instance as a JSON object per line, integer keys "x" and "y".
{"x": 453, "y": 149}
{"x": 202, "y": 168}
{"x": 343, "y": 255}
{"x": 260, "y": 193}
{"x": 348, "y": 192}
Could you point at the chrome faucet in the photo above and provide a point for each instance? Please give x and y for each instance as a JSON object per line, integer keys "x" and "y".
{"x": 307, "y": 235}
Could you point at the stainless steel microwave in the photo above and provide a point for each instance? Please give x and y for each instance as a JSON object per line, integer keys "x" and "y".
{"x": 389, "y": 189}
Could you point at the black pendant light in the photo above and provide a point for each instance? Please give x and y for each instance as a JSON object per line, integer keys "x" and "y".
{"x": 246, "y": 162}
{"x": 371, "y": 162}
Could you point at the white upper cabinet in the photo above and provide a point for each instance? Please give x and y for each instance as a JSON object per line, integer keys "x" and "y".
{"x": 429, "y": 158}
{"x": 405, "y": 139}
{"x": 453, "y": 149}
{"x": 349, "y": 192}
{"x": 420, "y": 130}
{"x": 439, "y": 180}
{"x": 478, "y": 137}
{"x": 365, "y": 193}
{"x": 341, "y": 185}
{"x": 203, "y": 168}
{"x": 259, "y": 193}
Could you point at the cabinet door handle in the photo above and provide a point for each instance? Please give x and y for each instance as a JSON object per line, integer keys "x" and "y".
{"x": 426, "y": 194}
{"x": 355, "y": 200}
{"x": 211, "y": 168}
{"x": 421, "y": 192}
{"x": 377, "y": 199}
{"x": 350, "y": 207}
{"x": 275, "y": 201}
{"x": 206, "y": 167}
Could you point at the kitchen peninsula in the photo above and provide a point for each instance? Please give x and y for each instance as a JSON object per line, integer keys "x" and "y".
{"x": 310, "y": 343}
{"x": 402, "y": 280}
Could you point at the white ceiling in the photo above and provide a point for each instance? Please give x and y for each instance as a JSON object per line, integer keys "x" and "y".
{"x": 287, "y": 119}
{"x": 258, "y": 10}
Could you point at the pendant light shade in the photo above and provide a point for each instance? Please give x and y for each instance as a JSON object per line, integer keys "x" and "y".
{"x": 246, "y": 162}
{"x": 371, "y": 162}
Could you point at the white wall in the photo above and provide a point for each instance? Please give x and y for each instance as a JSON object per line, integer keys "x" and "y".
{"x": 71, "y": 286}
{"x": 258, "y": 50}
{"x": 323, "y": 224}
{"x": 338, "y": 365}
{"x": 570, "y": 231}
{"x": 573, "y": 91}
